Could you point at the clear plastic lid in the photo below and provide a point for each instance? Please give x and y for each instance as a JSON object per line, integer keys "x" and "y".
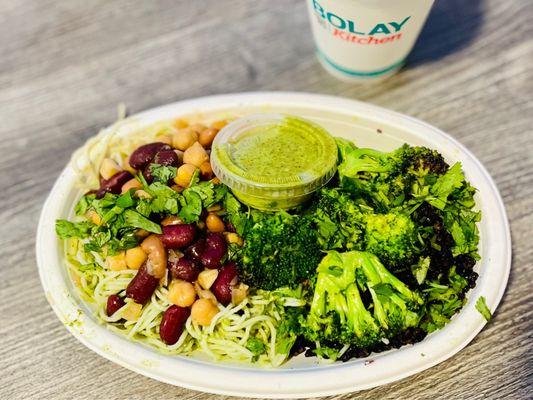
{"x": 273, "y": 157}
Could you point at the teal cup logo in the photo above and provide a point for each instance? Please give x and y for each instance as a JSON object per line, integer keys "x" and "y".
{"x": 366, "y": 39}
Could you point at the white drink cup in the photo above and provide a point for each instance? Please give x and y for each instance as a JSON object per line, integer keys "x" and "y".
{"x": 366, "y": 39}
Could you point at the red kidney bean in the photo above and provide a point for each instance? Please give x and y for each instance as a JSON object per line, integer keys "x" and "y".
{"x": 177, "y": 236}
{"x": 147, "y": 173}
{"x": 114, "y": 303}
{"x": 142, "y": 286}
{"x": 172, "y": 324}
{"x": 166, "y": 157}
{"x": 216, "y": 242}
{"x": 195, "y": 250}
{"x": 215, "y": 250}
{"x": 226, "y": 279}
{"x": 211, "y": 259}
{"x": 183, "y": 268}
{"x": 144, "y": 155}
{"x": 113, "y": 184}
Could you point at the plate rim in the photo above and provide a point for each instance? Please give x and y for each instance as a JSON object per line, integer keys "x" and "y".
{"x": 300, "y": 99}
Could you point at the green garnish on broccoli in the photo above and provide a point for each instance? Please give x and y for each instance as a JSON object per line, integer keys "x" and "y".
{"x": 345, "y": 225}
{"x": 481, "y": 306}
{"x": 279, "y": 250}
{"x": 338, "y": 221}
{"x": 384, "y": 180}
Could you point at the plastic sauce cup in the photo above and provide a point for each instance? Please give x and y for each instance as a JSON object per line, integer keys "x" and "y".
{"x": 366, "y": 39}
{"x": 273, "y": 161}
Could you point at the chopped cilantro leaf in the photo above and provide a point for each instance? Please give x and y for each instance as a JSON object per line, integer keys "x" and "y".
{"x": 136, "y": 220}
{"x": 125, "y": 200}
{"x": 481, "y": 306}
{"x": 66, "y": 229}
{"x": 163, "y": 173}
{"x": 191, "y": 206}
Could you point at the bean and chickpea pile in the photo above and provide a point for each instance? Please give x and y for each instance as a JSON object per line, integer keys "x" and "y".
{"x": 186, "y": 258}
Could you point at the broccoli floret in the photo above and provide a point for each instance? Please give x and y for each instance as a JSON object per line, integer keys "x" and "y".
{"x": 279, "y": 250}
{"x": 419, "y": 158}
{"x": 345, "y": 225}
{"x": 396, "y": 307}
{"x": 384, "y": 180}
{"x": 338, "y": 314}
{"x": 392, "y": 238}
{"x": 444, "y": 300}
{"x": 338, "y": 220}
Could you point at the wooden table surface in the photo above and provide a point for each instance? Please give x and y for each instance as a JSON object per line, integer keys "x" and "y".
{"x": 65, "y": 65}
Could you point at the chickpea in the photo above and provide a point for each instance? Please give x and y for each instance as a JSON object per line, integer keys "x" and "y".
{"x": 195, "y": 155}
{"x": 135, "y": 257}
{"x": 203, "y": 311}
{"x": 94, "y": 217}
{"x": 108, "y": 168}
{"x": 179, "y": 153}
{"x": 180, "y": 123}
{"x": 127, "y": 167}
{"x": 172, "y": 220}
{"x": 206, "y": 294}
{"x": 206, "y": 171}
{"x": 132, "y": 311}
{"x": 233, "y": 238}
{"x": 157, "y": 256}
{"x": 143, "y": 194}
{"x": 214, "y": 223}
{"x": 207, "y": 136}
{"x": 184, "y": 175}
{"x": 181, "y": 293}
{"x": 214, "y": 208}
{"x": 198, "y": 127}
{"x": 184, "y": 139}
{"x": 239, "y": 293}
{"x": 131, "y": 184}
{"x": 141, "y": 233}
{"x": 116, "y": 262}
{"x": 165, "y": 139}
{"x": 207, "y": 277}
{"x": 219, "y": 124}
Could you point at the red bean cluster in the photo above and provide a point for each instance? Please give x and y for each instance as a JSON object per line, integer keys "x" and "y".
{"x": 190, "y": 249}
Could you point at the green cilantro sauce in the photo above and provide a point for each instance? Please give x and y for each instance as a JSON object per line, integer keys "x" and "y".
{"x": 280, "y": 162}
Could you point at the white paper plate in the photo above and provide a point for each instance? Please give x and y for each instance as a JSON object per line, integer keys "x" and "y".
{"x": 367, "y": 125}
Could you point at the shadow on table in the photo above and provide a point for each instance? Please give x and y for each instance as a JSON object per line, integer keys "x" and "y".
{"x": 451, "y": 26}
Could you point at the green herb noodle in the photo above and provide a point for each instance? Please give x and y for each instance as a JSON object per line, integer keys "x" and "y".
{"x": 256, "y": 318}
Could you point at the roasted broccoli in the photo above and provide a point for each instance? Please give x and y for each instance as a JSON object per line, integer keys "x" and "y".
{"x": 339, "y": 315}
{"x": 406, "y": 183}
{"x": 418, "y": 158}
{"x": 443, "y": 300}
{"x": 338, "y": 220}
{"x": 392, "y": 238}
{"x": 345, "y": 225}
{"x": 279, "y": 250}
{"x": 384, "y": 180}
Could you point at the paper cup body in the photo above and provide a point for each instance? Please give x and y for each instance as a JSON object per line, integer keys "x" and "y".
{"x": 366, "y": 39}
